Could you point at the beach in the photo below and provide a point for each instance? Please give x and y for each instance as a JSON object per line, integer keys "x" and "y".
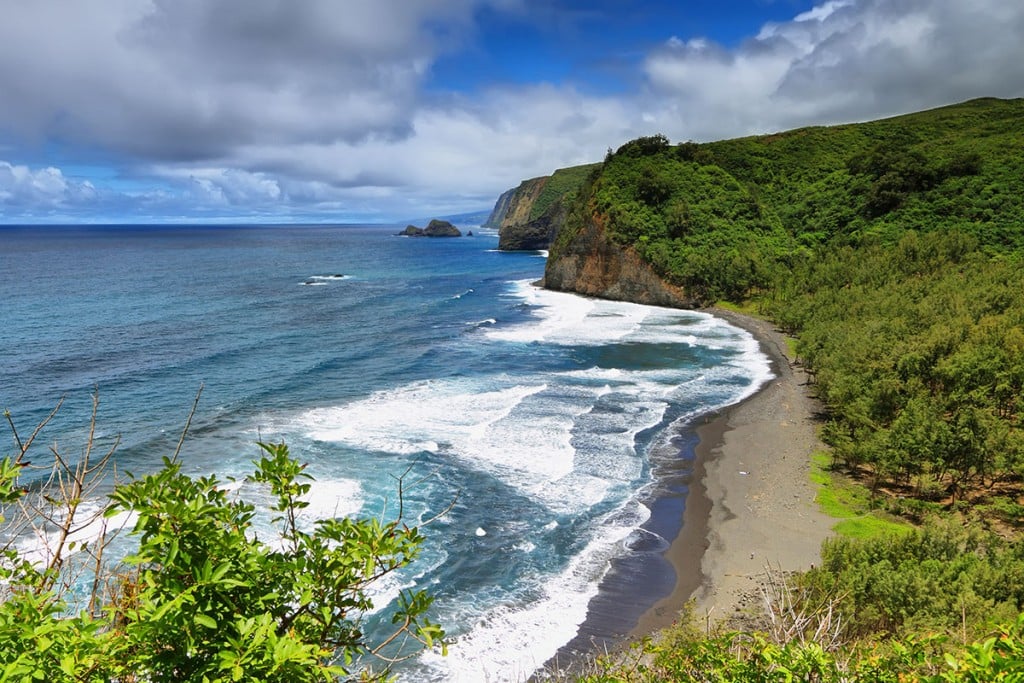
{"x": 738, "y": 501}
{"x": 751, "y": 504}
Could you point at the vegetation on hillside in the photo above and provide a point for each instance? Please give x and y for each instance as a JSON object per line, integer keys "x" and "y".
{"x": 562, "y": 184}
{"x": 893, "y": 252}
{"x": 891, "y": 249}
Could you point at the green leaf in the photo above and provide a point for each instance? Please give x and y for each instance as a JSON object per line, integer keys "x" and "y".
{"x": 205, "y": 620}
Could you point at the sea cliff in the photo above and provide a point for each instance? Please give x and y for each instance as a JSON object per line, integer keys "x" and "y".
{"x": 590, "y": 263}
{"x": 529, "y": 215}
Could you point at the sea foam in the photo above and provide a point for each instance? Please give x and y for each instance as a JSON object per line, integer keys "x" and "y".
{"x": 568, "y": 439}
{"x": 511, "y": 641}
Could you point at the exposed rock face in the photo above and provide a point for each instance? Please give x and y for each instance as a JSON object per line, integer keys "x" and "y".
{"x": 436, "y": 228}
{"x": 500, "y": 209}
{"x": 593, "y": 265}
{"x": 531, "y": 215}
{"x": 522, "y": 201}
{"x": 516, "y": 231}
{"x": 533, "y": 235}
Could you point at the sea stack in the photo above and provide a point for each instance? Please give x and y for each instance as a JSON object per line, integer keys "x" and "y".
{"x": 436, "y": 228}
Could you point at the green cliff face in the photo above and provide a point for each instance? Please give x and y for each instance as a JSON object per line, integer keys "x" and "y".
{"x": 528, "y": 216}
{"x": 891, "y": 249}
{"x": 500, "y": 209}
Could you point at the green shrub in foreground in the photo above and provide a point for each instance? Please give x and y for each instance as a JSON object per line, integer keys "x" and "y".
{"x": 202, "y": 598}
{"x": 744, "y": 658}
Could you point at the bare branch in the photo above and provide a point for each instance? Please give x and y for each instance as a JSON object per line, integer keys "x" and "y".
{"x": 188, "y": 423}
{"x": 23, "y": 447}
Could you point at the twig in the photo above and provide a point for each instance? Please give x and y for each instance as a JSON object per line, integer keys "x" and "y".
{"x": 188, "y": 423}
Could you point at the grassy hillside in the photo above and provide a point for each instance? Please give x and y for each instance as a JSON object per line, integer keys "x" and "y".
{"x": 892, "y": 249}
{"x": 957, "y": 167}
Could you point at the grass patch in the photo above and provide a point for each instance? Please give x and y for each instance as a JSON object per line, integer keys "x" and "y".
{"x": 747, "y": 307}
{"x": 791, "y": 347}
{"x": 850, "y": 503}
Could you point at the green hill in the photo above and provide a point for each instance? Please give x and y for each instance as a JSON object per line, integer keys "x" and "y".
{"x": 715, "y": 217}
{"x": 893, "y": 251}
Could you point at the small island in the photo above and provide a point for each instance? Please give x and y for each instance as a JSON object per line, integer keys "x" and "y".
{"x": 436, "y": 228}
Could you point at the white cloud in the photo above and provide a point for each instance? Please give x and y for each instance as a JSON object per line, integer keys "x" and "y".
{"x": 299, "y": 106}
{"x": 843, "y": 60}
{"x": 24, "y": 186}
{"x": 189, "y": 79}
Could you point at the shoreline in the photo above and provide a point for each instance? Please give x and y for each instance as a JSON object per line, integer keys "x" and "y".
{"x": 736, "y": 498}
{"x": 754, "y": 504}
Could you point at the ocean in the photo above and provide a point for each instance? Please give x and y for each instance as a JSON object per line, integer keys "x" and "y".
{"x": 546, "y": 417}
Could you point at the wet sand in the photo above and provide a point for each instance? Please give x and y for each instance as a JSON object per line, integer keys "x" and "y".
{"x": 737, "y": 499}
{"x": 754, "y": 504}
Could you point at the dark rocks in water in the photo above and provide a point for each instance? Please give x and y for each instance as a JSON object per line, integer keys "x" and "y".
{"x": 436, "y": 228}
{"x": 469, "y": 234}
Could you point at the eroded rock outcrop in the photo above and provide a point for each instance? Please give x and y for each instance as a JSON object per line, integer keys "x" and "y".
{"x": 436, "y": 228}
{"x": 529, "y": 217}
{"x": 500, "y": 209}
{"x": 536, "y": 234}
{"x": 590, "y": 263}
{"x": 522, "y": 202}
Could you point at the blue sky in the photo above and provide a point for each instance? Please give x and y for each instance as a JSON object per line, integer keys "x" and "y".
{"x": 380, "y": 110}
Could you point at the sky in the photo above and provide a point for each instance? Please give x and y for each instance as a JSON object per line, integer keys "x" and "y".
{"x": 278, "y": 111}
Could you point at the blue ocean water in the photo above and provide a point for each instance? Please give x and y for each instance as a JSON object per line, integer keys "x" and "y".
{"x": 541, "y": 414}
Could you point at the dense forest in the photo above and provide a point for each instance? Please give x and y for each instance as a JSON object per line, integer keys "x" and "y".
{"x": 891, "y": 251}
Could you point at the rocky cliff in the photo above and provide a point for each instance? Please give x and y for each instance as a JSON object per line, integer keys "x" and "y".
{"x": 500, "y": 209}
{"x": 521, "y": 203}
{"x": 590, "y": 263}
{"x": 535, "y": 234}
{"x": 529, "y": 215}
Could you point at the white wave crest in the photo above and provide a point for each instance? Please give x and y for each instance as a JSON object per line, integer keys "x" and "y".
{"x": 510, "y": 642}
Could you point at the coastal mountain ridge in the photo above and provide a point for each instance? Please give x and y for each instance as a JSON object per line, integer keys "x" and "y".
{"x": 528, "y": 215}
{"x": 891, "y": 252}
{"x": 708, "y": 219}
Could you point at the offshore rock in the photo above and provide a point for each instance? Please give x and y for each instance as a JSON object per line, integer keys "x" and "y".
{"x": 591, "y": 264}
{"x": 436, "y": 228}
{"x": 439, "y": 228}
